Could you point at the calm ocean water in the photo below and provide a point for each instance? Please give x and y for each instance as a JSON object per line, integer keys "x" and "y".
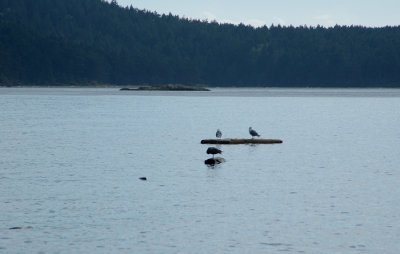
{"x": 70, "y": 159}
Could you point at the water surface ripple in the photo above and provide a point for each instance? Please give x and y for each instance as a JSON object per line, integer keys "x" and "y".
{"x": 71, "y": 159}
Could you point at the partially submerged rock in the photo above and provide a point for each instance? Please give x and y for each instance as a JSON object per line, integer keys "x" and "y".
{"x": 213, "y": 161}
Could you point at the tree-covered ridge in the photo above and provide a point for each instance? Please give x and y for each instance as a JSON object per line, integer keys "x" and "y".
{"x": 69, "y": 41}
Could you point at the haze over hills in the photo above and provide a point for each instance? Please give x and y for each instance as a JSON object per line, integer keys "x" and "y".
{"x": 57, "y": 42}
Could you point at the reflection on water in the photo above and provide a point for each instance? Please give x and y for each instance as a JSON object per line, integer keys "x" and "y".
{"x": 72, "y": 159}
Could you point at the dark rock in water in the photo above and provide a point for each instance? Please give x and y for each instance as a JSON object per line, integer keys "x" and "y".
{"x": 143, "y": 178}
{"x": 210, "y": 161}
{"x": 213, "y": 161}
{"x": 169, "y": 87}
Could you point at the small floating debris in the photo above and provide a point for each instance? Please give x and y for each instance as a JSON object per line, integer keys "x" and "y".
{"x": 238, "y": 141}
{"x": 143, "y": 178}
{"x": 18, "y": 228}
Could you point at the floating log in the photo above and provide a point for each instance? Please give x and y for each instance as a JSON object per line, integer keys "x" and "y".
{"x": 238, "y": 141}
{"x": 213, "y": 161}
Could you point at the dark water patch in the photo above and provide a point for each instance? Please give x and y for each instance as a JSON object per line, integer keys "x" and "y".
{"x": 275, "y": 244}
{"x": 285, "y": 250}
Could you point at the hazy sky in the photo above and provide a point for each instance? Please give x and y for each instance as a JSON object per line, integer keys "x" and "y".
{"x": 373, "y": 13}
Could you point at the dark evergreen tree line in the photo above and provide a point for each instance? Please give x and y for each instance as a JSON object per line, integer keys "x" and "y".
{"x": 83, "y": 41}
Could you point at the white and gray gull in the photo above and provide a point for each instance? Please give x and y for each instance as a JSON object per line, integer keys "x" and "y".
{"x": 218, "y": 134}
{"x": 253, "y": 133}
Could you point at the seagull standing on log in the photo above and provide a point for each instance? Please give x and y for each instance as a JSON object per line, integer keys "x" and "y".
{"x": 218, "y": 134}
{"x": 253, "y": 133}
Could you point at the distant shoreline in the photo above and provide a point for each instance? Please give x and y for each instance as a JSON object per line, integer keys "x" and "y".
{"x": 155, "y": 88}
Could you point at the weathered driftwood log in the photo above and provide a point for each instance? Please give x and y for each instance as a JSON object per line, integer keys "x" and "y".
{"x": 213, "y": 161}
{"x": 238, "y": 141}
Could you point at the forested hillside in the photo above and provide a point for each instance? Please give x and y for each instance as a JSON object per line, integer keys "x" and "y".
{"x": 57, "y": 42}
